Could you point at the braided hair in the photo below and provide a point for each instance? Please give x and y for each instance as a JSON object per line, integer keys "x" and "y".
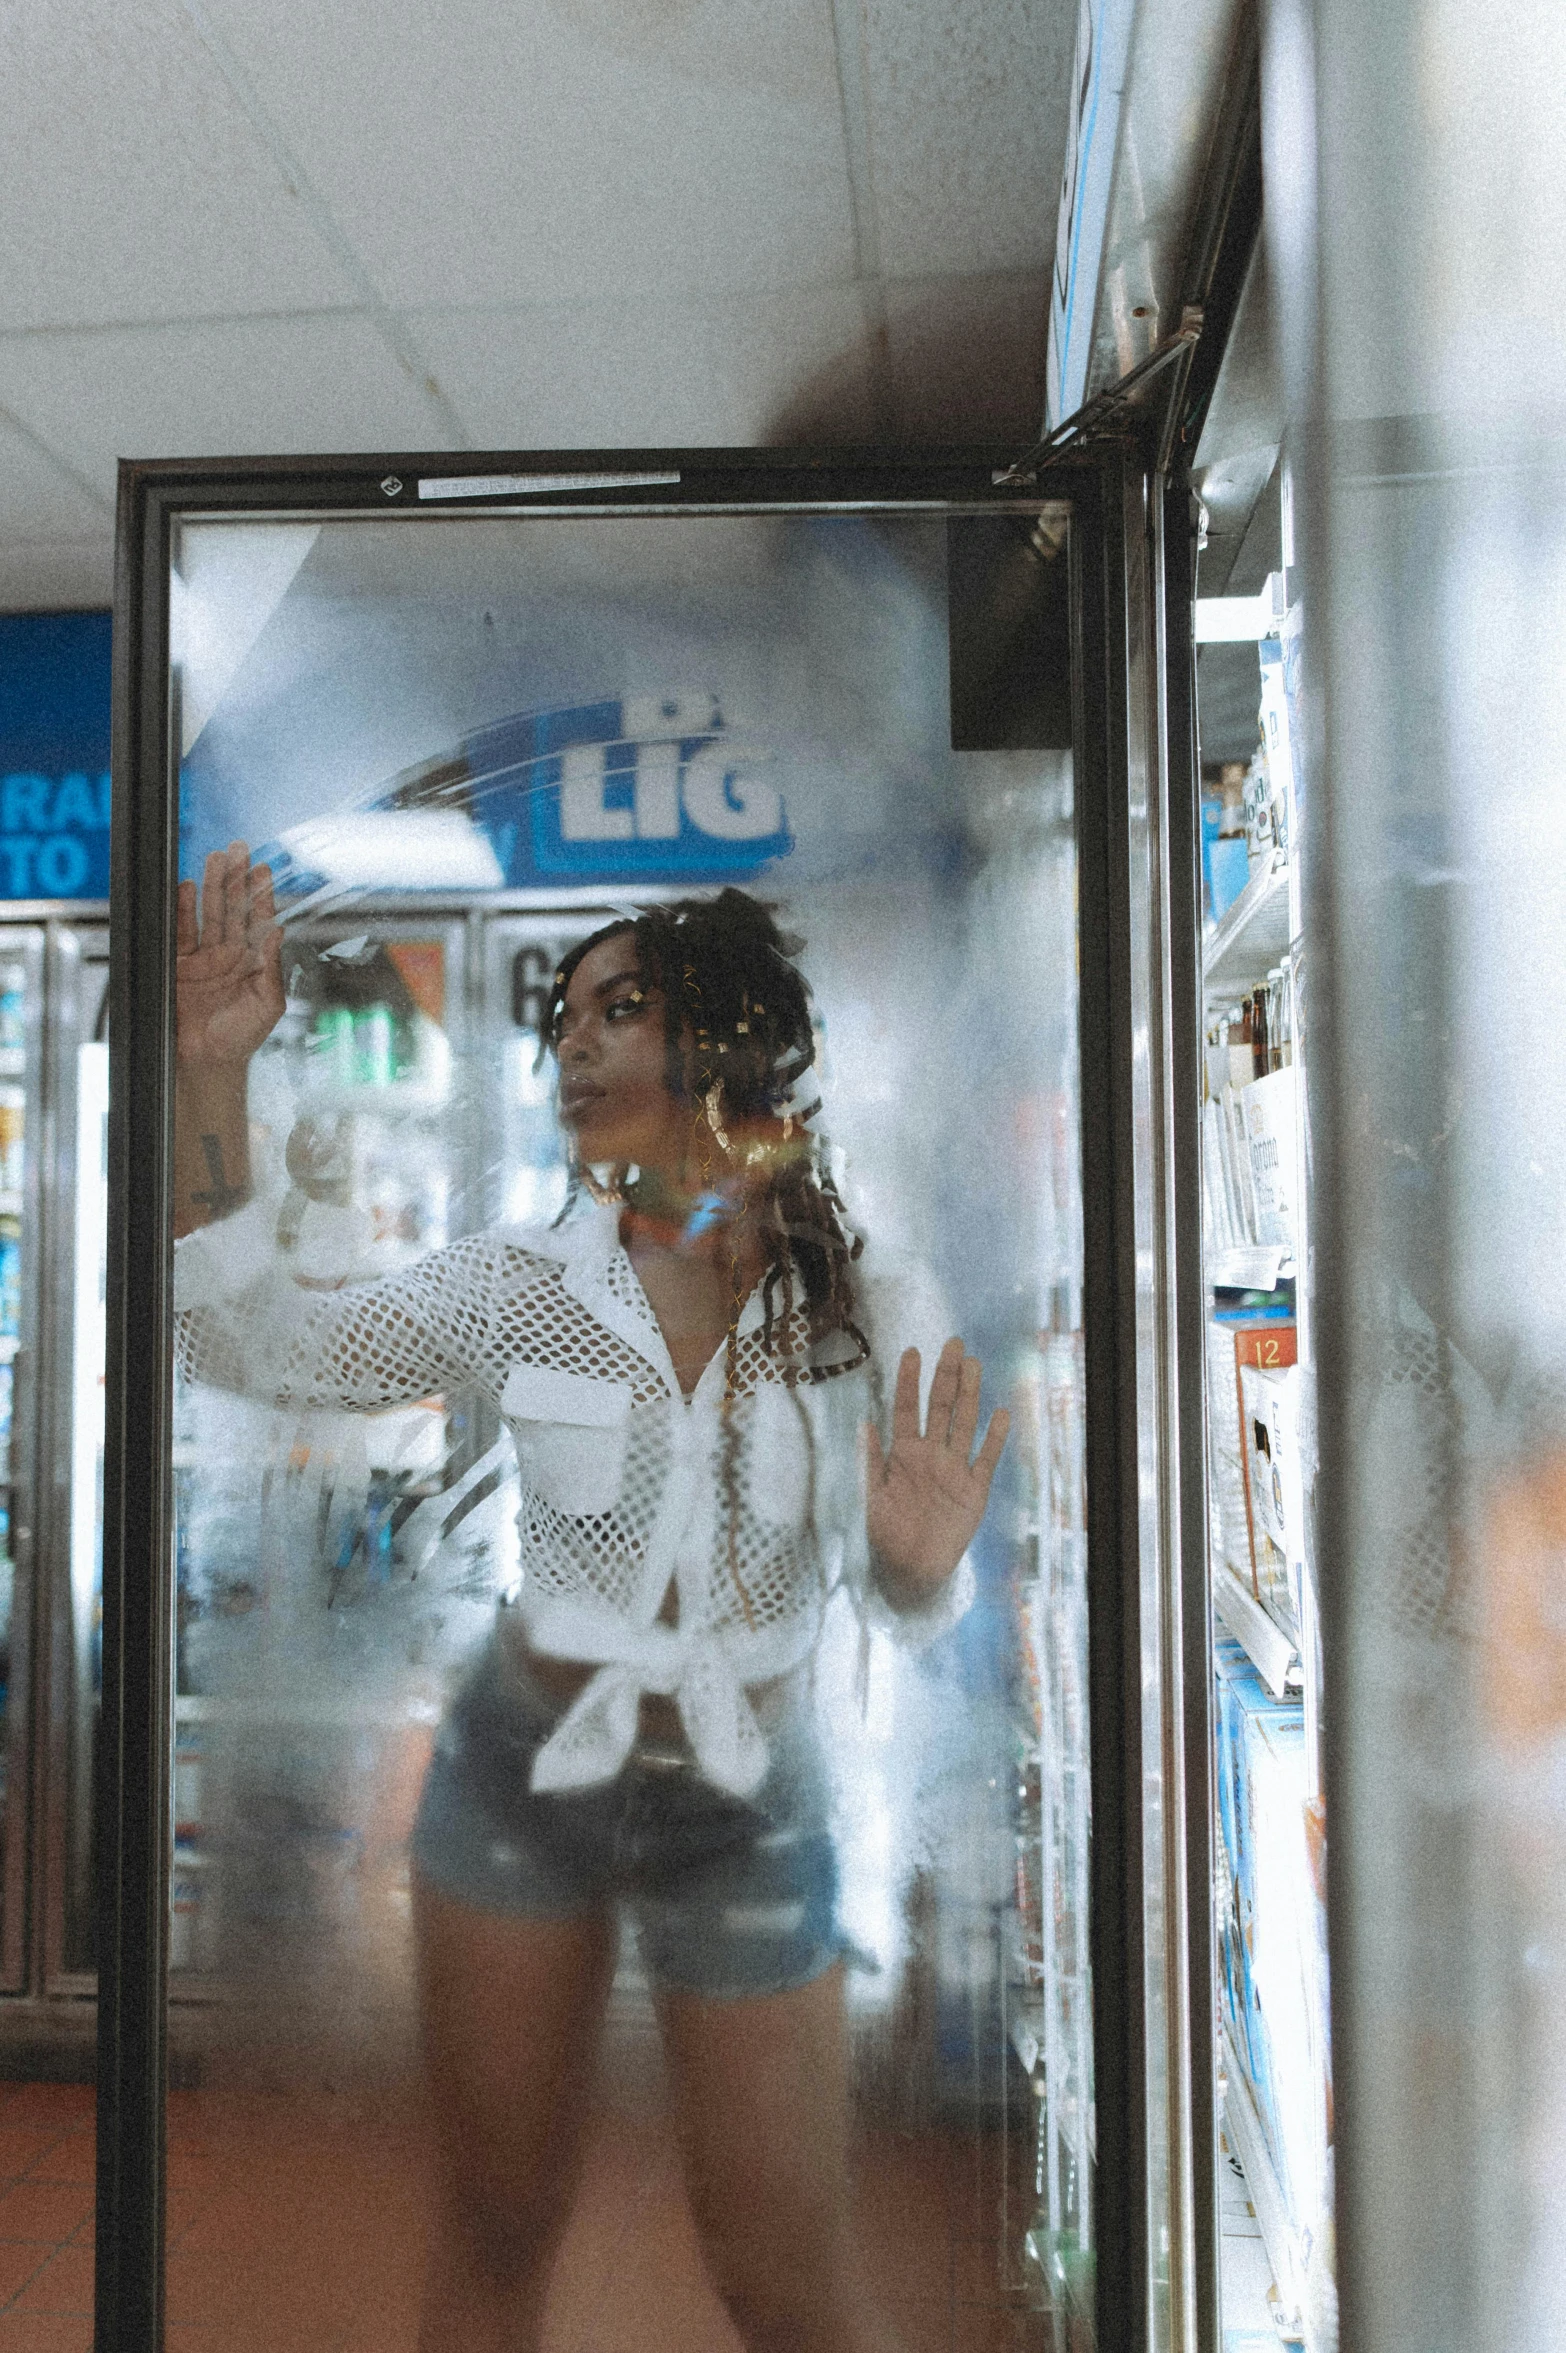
{"x": 739, "y": 1038}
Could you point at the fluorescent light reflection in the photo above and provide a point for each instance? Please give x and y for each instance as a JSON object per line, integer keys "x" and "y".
{"x": 397, "y": 850}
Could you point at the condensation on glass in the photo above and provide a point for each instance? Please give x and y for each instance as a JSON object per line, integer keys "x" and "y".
{"x": 462, "y": 745}
{"x": 21, "y": 967}
{"x": 1445, "y": 575}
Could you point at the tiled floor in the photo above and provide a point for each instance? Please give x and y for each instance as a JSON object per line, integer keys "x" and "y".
{"x": 46, "y": 2204}
{"x": 296, "y": 2225}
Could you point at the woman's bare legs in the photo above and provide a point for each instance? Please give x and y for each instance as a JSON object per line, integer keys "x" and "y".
{"x": 761, "y": 2107}
{"x": 511, "y": 2014}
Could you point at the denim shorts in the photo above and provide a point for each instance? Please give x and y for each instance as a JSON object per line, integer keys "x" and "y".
{"x": 731, "y": 1897}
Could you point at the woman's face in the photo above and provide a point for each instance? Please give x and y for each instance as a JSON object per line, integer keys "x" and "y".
{"x": 614, "y": 1079}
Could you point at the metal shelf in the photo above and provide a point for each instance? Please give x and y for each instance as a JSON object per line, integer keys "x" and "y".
{"x": 1251, "y": 1266}
{"x": 1252, "y": 937}
{"x": 1027, "y": 2033}
{"x": 1279, "y": 2236}
{"x": 1269, "y": 1649}
{"x": 368, "y": 1711}
{"x": 410, "y": 1095}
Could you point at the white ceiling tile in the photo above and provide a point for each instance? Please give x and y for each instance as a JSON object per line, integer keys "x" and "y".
{"x": 56, "y": 575}
{"x": 39, "y": 499}
{"x": 217, "y": 388}
{"x": 967, "y": 356}
{"x": 134, "y": 186}
{"x": 968, "y": 115}
{"x": 582, "y": 376}
{"x": 552, "y": 153}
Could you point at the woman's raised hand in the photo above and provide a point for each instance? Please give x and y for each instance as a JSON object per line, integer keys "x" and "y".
{"x": 228, "y": 965}
{"x": 927, "y": 1493}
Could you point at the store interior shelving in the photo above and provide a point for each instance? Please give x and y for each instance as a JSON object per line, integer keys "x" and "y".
{"x": 1272, "y": 1651}
{"x": 1251, "y": 936}
{"x": 1274, "y": 2060}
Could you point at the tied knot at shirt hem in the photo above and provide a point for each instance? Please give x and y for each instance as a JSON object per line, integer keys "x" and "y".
{"x": 597, "y": 1733}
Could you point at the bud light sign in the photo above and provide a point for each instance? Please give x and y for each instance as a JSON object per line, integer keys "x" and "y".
{"x": 651, "y": 787}
{"x": 54, "y": 756}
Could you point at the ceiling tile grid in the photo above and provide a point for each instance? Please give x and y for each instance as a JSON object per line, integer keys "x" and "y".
{"x": 134, "y": 186}
{"x": 968, "y": 131}
{"x": 40, "y": 498}
{"x": 503, "y": 155}
{"x": 212, "y": 388}
{"x": 56, "y": 575}
{"x": 645, "y": 375}
{"x": 228, "y": 228}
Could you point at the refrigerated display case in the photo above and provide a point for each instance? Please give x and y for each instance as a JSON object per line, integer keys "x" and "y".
{"x": 53, "y": 1105}
{"x": 278, "y": 1704}
{"x": 1275, "y": 2156}
{"x": 22, "y": 1040}
{"x": 918, "y": 724}
{"x": 522, "y": 1162}
{"x": 1050, "y": 1983}
{"x": 304, "y": 1576}
{"x": 79, "y": 1205}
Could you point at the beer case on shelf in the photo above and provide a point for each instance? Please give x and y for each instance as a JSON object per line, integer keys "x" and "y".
{"x": 1269, "y": 1110}
{"x": 1270, "y": 1407}
{"x": 1268, "y": 1941}
{"x": 1262, "y": 1343}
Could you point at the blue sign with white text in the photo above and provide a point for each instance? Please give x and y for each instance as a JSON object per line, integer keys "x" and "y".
{"x": 651, "y": 787}
{"x": 54, "y": 755}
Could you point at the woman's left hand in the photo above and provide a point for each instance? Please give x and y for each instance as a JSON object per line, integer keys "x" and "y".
{"x": 927, "y": 1494}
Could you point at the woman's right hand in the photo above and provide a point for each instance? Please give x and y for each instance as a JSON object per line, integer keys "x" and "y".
{"x": 228, "y": 965}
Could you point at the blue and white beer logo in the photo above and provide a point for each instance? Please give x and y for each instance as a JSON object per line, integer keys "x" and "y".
{"x": 651, "y": 786}
{"x": 54, "y": 755}
{"x": 54, "y": 835}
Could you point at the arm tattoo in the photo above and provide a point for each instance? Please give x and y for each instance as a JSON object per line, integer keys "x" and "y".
{"x": 222, "y": 1196}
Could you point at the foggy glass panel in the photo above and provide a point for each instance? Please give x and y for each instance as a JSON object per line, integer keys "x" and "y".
{"x": 21, "y": 1103}
{"x": 79, "y": 1017}
{"x": 1445, "y": 570}
{"x": 730, "y": 1743}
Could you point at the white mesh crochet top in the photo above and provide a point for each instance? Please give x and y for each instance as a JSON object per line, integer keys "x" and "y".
{"x": 622, "y": 1477}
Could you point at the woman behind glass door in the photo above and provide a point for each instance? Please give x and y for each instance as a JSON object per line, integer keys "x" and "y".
{"x": 715, "y": 1396}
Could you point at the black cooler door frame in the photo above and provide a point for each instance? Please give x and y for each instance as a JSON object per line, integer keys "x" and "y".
{"x": 1137, "y": 945}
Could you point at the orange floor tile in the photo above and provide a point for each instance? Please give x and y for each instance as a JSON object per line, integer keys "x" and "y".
{"x": 296, "y": 2225}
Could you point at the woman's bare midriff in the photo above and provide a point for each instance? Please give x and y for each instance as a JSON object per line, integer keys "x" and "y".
{"x": 658, "y": 1722}
{"x": 658, "y": 1719}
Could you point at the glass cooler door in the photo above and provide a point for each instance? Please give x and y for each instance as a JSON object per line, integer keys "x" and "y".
{"x": 78, "y": 1177}
{"x": 282, "y": 1716}
{"x": 523, "y": 1158}
{"x": 461, "y": 738}
{"x": 21, "y": 1272}
{"x": 654, "y": 708}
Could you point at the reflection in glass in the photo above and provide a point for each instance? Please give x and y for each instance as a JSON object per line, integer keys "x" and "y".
{"x": 83, "y": 1648}
{"x": 570, "y": 1696}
